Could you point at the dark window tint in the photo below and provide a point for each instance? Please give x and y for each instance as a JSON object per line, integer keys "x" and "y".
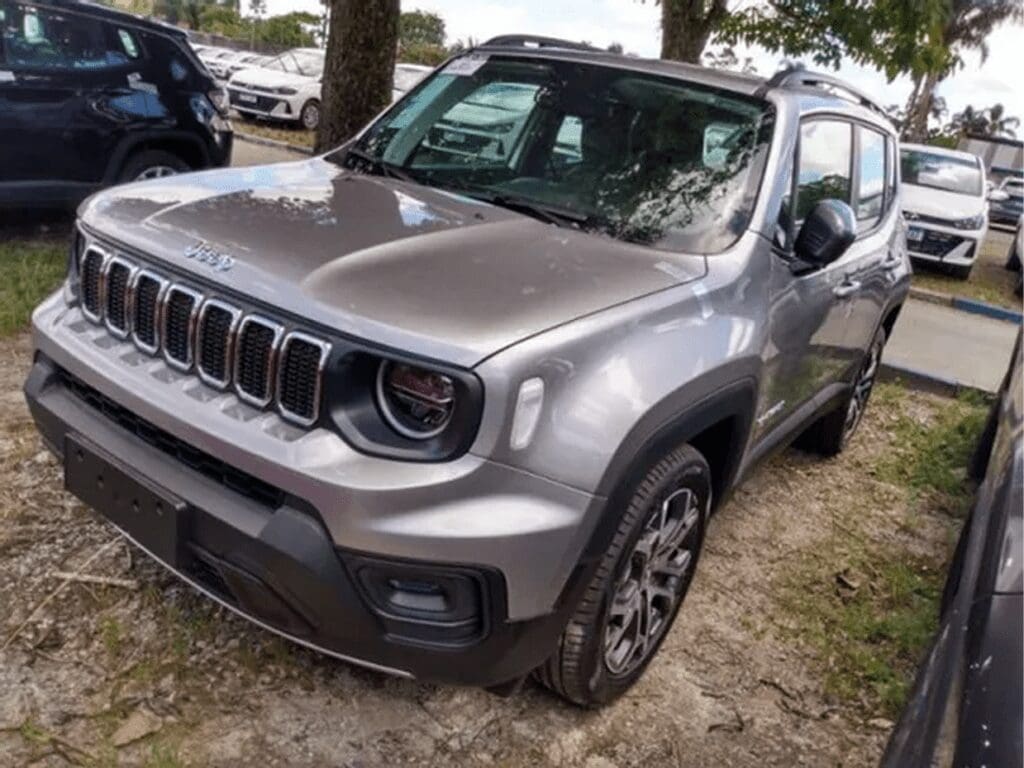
{"x": 824, "y": 173}
{"x": 43, "y": 39}
{"x": 871, "y": 183}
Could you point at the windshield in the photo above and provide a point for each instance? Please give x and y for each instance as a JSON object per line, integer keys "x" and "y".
{"x": 952, "y": 174}
{"x": 642, "y": 158}
{"x": 304, "y": 63}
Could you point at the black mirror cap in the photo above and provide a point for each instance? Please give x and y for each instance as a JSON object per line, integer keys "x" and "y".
{"x": 826, "y": 233}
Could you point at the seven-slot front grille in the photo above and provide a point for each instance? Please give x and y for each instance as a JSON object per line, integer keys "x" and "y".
{"x": 193, "y": 332}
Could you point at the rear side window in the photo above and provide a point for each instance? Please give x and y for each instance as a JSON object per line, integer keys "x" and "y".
{"x": 38, "y": 38}
{"x": 871, "y": 178}
{"x": 826, "y": 149}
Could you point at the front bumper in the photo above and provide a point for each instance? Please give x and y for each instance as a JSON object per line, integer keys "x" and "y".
{"x": 277, "y": 107}
{"x": 946, "y": 245}
{"x": 297, "y": 531}
{"x": 1005, "y": 214}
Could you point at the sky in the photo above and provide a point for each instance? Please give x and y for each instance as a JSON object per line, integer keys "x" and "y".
{"x": 635, "y": 25}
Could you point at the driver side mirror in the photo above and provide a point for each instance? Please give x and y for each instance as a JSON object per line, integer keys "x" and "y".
{"x": 826, "y": 233}
{"x": 998, "y": 196}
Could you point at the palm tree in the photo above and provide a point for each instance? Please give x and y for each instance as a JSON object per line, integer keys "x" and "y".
{"x": 984, "y": 122}
{"x": 967, "y": 26}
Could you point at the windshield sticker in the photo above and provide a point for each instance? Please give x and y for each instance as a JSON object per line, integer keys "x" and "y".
{"x": 466, "y": 66}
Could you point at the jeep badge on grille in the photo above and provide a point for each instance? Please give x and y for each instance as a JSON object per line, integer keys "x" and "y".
{"x": 203, "y": 252}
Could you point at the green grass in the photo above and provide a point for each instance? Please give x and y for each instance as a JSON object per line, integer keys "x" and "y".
{"x": 30, "y": 269}
{"x": 931, "y": 459}
{"x": 869, "y": 638}
{"x": 277, "y": 131}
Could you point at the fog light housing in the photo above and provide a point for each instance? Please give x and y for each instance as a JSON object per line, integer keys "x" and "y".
{"x": 422, "y": 604}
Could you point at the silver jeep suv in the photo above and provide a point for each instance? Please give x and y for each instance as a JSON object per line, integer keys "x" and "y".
{"x": 455, "y": 400}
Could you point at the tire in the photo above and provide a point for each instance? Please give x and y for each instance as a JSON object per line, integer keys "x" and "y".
{"x": 1012, "y": 259}
{"x": 832, "y": 432}
{"x": 151, "y": 164}
{"x": 309, "y": 115}
{"x": 961, "y": 273}
{"x": 666, "y": 514}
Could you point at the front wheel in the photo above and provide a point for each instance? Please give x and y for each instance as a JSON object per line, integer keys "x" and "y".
{"x": 310, "y": 115}
{"x": 152, "y": 164}
{"x": 639, "y": 585}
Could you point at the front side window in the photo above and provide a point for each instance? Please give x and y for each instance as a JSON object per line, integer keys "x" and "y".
{"x": 641, "y": 158}
{"x": 871, "y": 183}
{"x": 826, "y": 148}
{"x": 35, "y": 38}
{"x": 960, "y": 175}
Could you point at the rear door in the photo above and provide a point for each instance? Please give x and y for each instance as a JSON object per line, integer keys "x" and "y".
{"x": 874, "y": 257}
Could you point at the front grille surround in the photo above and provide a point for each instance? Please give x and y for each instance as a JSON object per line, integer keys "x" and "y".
{"x": 92, "y": 275}
{"x": 167, "y": 319}
{"x": 145, "y": 278}
{"x": 227, "y": 359}
{"x": 170, "y": 334}
{"x": 116, "y": 291}
{"x": 282, "y": 387}
{"x": 243, "y": 361}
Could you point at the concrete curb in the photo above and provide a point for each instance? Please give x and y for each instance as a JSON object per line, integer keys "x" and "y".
{"x": 273, "y": 143}
{"x": 967, "y": 305}
{"x": 926, "y": 382}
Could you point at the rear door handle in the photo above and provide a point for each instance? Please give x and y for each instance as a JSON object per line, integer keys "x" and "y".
{"x": 846, "y": 288}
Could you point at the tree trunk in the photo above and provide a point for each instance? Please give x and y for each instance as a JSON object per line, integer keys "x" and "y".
{"x": 919, "y": 108}
{"x": 686, "y": 27}
{"x": 361, "y": 47}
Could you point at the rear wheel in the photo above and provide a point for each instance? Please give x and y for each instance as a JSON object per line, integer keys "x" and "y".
{"x": 635, "y": 594}
{"x": 152, "y": 164}
{"x": 832, "y": 433}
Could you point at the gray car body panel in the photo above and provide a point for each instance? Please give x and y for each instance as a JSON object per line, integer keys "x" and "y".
{"x": 628, "y": 340}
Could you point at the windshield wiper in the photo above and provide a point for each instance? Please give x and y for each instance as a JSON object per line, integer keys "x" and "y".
{"x": 385, "y": 168}
{"x": 549, "y": 214}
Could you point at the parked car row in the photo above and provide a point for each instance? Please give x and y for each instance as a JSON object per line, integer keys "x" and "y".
{"x": 287, "y": 88}
{"x": 224, "y": 62}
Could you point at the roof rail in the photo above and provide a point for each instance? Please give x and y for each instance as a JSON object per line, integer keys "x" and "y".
{"x": 537, "y": 41}
{"x": 797, "y": 76}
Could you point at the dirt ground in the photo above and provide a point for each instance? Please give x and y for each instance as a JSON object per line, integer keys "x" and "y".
{"x": 156, "y": 675}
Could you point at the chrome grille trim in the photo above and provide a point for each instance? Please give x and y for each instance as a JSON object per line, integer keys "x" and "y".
{"x": 162, "y": 286}
{"x": 111, "y": 262}
{"x": 229, "y": 343}
{"x": 101, "y": 298}
{"x": 268, "y": 373}
{"x": 190, "y": 331}
{"x": 143, "y": 280}
{"x": 325, "y": 350}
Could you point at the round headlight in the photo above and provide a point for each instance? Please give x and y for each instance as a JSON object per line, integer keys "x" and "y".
{"x": 415, "y": 402}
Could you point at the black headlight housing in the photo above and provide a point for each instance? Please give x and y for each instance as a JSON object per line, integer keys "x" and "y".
{"x": 359, "y": 402}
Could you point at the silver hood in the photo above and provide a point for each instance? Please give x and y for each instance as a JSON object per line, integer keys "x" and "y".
{"x": 398, "y": 264}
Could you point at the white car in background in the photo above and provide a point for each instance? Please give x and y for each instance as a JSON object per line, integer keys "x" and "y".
{"x": 213, "y": 57}
{"x": 407, "y": 77}
{"x": 286, "y": 88}
{"x": 944, "y": 201}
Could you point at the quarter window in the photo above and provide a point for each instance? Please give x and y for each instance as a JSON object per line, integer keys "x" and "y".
{"x": 824, "y": 170}
{"x": 871, "y": 180}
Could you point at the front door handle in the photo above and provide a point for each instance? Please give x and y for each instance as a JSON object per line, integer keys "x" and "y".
{"x": 846, "y": 288}
{"x": 889, "y": 263}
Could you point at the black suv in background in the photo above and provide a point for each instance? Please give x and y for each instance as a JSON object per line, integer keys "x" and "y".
{"x": 90, "y": 96}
